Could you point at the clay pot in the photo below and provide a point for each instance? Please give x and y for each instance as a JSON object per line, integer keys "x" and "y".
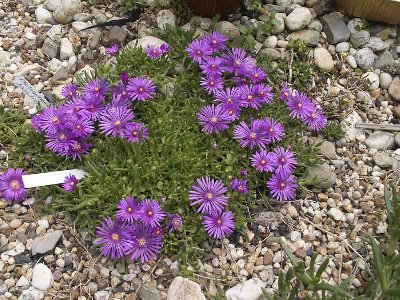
{"x": 209, "y": 8}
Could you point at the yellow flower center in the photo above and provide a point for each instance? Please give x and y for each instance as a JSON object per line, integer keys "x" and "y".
{"x": 209, "y": 195}
{"x": 299, "y": 105}
{"x": 149, "y": 213}
{"x": 214, "y": 42}
{"x": 78, "y": 127}
{"x": 117, "y": 123}
{"x": 142, "y": 242}
{"x": 229, "y": 100}
{"x": 271, "y": 130}
{"x": 263, "y": 162}
{"x": 256, "y": 75}
{"x": 115, "y": 237}
{"x": 213, "y": 65}
{"x": 253, "y": 135}
{"x": 212, "y": 83}
{"x": 219, "y": 221}
{"x": 175, "y": 222}
{"x": 130, "y": 209}
{"x": 72, "y": 183}
{"x": 230, "y": 112}
{"x": 282, "y": 184}
{"x": 54, "y": 119}
{"x": 71, "y": 93}
{"x": 97, "y": 89}
{"x": 62, "y": 136}
{"x": 214, "y": 120}
{"x": 198, "y": 52}
{"x": 240, "y": 188}
{"x": 237, "y": 62}
{"x": 283, "y": 159}
{"x": 15, "y": 184}
{"x": 141, "y": 90}
{"x": 285, "y": 94}
{"x": 249, "y": 97}
{"x": 313, "y": 116}
{"x": 135, "y": 133}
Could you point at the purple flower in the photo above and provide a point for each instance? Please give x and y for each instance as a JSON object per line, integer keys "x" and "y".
{"x": 73, "y": 109}
{"x": 228, "y": 96}
{"x": 263, "y": 92}
{"x": 212, "y": 83}
{"x": 141, "y": 88}
{"x": 51, "y": 119}
{"x": 219, "y": 225}
{"x": 151, "y": 212}
{"x": 113, "y": 50}
{"x": 70, "y": 183}
{"x": 300, "y": 105}
{"x": 128, "y": 210}
{"x": 232, "y": 110}
{"x": 243, "y": 173}
{"x": 262, "y": 161}
{"x": 249, "y": 97}
{"x": 213, "y": 119}
{"x": 114, "y": 121}
{"x": 91, "y": 106}
{"x": 256, "y": 74}
{"x": 283, "y": 160}
{"x": 175, "y": 221}
{"x": 236, "y": 60}
{"x": 80, "y": 127}
{"x": 70, "y": 91}
{"x": 12, "y": 188}
{"x": 282, "y": 186}
{"x": 251, "y": 136}
{"x": 216, "y": 41}
{"x": 212, "y": 66}
{"x": 124, "y": 78}
{"x": 154, "y": 52}
{"x": 315, "y": 120}
{"x": 59, "y": 142}
{"x": 114, "y": 238}
{"x": 76, "y": 148}
{"x": 164, "y": 48}
{"x": 208, "y": 194}
{"x": 240, "y": 185}
{"x": 120, "y": 97}
{"x": 97, "y": 88}
{"x": 198, "y": 50}
{"x": 136, "y": 132}
{"x": 273, "y": 130}
{"x": 146, "y": 243}
{"x": 285, "y": 93}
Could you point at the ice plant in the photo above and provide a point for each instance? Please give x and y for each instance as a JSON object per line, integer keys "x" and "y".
{"x": 251, "y": 136}
{"x": 128, "y": 210}
{"x": 174, "y": 222}
{"x": 273, "y": 129}
{"x": 315, "y": 119}
{"x": 208, "y": 194}
{"x": 219, "y": 225}
{"x": 213, "y": 119}
{"x": 146, "y": 243}
{"x": 262, "y": 161}
{"x": 236, "y": 60}
{"x": 256, "y": 74}
{"x": 240, "y": 185}
{"x": 114, "y": 120}
{"x": 70, "y": 91}
{"x": 249, "y": 97}
{"x": 198, "y": 50}
{"x": 215, "y": 41}
{"x": 115, "y": 238}
{"x": 151, "y": 212}
{"x": 136, "y": 132}
{"x": 285, "y": 93}
{"x": 141, "y": 88}
{"x": 211, "y": 83}
{"x": 154, "y": 52}
{"x": 12, "y": 187}
{"x": 164, "y": 48}
{"x": 97, "y": 88}
{"x": 283, "y": 160}
{"x": 51, "y": 119}
{"x": 76, "y": 148}
{"x": 91, "y": 106}
{"x": 70, "y": 183}
{"x": 300, "y": 105}
{"x": 282, "y": 186}
{"x": 59, "y": 142}
{"x": 212, "y": 66}
{"x": 113, "y": 50}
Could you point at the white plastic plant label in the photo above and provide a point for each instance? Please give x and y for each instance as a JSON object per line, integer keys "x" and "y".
{"x": 50, "y": 178}
{"x": 30, "y": 91}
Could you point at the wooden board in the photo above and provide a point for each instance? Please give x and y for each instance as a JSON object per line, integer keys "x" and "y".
{"x": 387, "y": 11}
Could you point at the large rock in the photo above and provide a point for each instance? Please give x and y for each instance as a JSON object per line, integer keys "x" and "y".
{"x": 335, "y": 28}
{"x": 46, "y": 243}
{"x": 145, "y": 41}
{"x": 380, "y": 140}
{"x": 183, "y": 288}
{"x": 359, "y": 38}
{"x": 65, "y": 11}
{"x": 383, "y": 159}
{"x": 43, "y": 16}
{"x": 394, "y": 89}
{"x": 50, "y": 48}
{"x": 274, "y": 54}
{"x": 279, "y": 25}
{"x": 365, "y": 58}
{"x": 66, "y": 49}
{"x": 227, "y": 28}
{"x": 323, "y": 59}
{"x": 166, "y": 18}
{"x": 42, "y": 278}
{"x": 383, "y": 60}
{"x": 310, "y": 37}
{"x": 349, "y": 126}
{"x": 320, "y": 176}
{"x": 327, "y": 149}
{"x": 248, "y": 290}
{"x": 298, "y": 19}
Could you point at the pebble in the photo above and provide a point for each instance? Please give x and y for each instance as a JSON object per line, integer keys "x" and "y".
{"x": 365, "y": 58}
{"x": 15, "y": 223}
{"x": 385, "y": 79}
{"x": 42, "y": 278}
{"x": 298, "y": 19}
{"x": 342, "y": 47}
{"x": 323, "y": 59}
{"x": 394, "y": 89}
{"x": 227, "y": 28}
{"x": 336, "y": 214}
{"x": 166, "y": 18}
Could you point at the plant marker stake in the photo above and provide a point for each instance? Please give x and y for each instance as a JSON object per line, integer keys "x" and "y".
{"x": 31, "y": 92}
{"x": 50, "y": 178}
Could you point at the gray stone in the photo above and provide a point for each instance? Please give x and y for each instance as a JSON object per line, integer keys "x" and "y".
{"x": 327, "y": 149}
{"x": 298, "y": 19}
{"x": 166, "y": 18}
{"x": 248, "y": 290}
{"x": 4, "y": 58}
{"x": 397, "y": 139}
{"x": 31, "y": 294}
{"x": 64, "y": 13}
{"x": 383, "y": 159}
{"x": 349, "y": 124}
{"x": 351, "y": 61}
{"x": 315, "y": 25}
{"x": 99, "y": 16}
{"x": 271, "y": 53}
{"x": 115, "y": 35}
{"x": 46, "y": 243}
{"x": 3, "y": 289}
{"x": 66, "y": 49}
{"x": 94, "y": 39}
{"x": 84, "y": 17}
{"x": 336, "y": 214}
{"x": 102, "y": 295}
{"x": 373, "y": 80}
{"x": 270, "y": 42}
{"x": 355, "y": 25}
{"x": 323, "y": 59}
{"x": 22, "y": 282}
{"x": 51, "y": 4}
{"x": 335, "y": 28}
{"x": 383, "y": 60}
{"x": 145, "y": 291}
{"x": 394, "y": 89}
{"x": 310, "y": 37}
{"x": 145, "y": 41}
{"x": 385, "y": 79}
{"x": 320, "y": 176}
{"x": 275, "y": 8}
{"x": 77, "y": 26}
{"x": 42, "y": 278}
{"x": 279, "y": 25}
{"x": 270, "y": 219}
{"x": 50, "y": 48}
{"x": 203, "y": 23}
{"x": 376, "y": 44}
{"x": 365, "y": 58}
{"x": 55, "y": 33}
{"x": 359, "y": 38}
{"x": 183, "y": 288}
{"x": 282, "y": 2}
{"x": 342, "y": 47}
{"x": 43, "y": 16}
{"x": 380, "y": 140}
{"x": 227, "y": 28}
